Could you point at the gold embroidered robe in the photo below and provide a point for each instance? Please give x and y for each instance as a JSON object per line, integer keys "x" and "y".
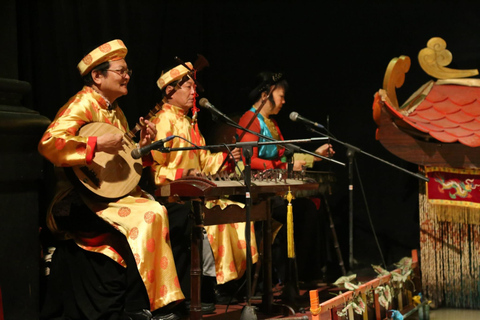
{"x": 227, "y": 241}
{"x": 143, "y": 221}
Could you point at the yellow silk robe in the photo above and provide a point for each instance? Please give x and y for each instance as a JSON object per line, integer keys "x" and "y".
{"x": 143, "y": 221}
{"x": 227, "y": 241}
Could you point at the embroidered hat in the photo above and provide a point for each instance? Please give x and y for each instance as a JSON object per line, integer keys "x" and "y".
{"x": 110, "y": 51}
{"x": 174, "y": 74}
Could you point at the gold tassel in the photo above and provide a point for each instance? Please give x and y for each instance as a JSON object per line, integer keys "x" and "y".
{"x": 290, "y": 242}
{"x": 456, "y": 214}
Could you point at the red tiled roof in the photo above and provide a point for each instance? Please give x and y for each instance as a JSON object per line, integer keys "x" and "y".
{"x": 449, "y": 113}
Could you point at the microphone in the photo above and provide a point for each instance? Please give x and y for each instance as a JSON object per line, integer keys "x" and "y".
{"x": 294, "y": 116}
{"x": 207, "y": 105}
{"x": 140, "y": 152}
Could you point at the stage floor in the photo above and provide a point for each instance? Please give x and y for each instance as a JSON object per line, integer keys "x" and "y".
{"x": 234, "y": 312}
{"x": 297, "y": 307}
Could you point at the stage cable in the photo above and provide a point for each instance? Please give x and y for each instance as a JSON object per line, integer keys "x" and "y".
{"x": 368, "y": 214}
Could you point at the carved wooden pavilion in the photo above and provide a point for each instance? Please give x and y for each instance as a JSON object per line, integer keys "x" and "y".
{"x": 438, "y": 128}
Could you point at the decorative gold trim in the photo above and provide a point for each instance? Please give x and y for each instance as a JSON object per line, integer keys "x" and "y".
{"x": 395, "y": 77}
{"x": 435, "y": 57}
{"x": 472, "y": 82}
{"x": 418, "y": 97}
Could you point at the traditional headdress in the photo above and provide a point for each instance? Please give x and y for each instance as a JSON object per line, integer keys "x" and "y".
{"x": 173, "y": 75}
{"x": 264, "y": 81}
{"x": 110, "y": 51}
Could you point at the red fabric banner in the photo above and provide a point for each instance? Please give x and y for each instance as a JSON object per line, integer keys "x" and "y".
{"x": 451, "y": 186}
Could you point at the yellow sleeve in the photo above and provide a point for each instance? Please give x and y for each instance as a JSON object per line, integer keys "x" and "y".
{"x": 60, "y": 143}
{"x": 211, "y": 161}
{"x": 308, "y": 158}
{"x": 163, "y": 167}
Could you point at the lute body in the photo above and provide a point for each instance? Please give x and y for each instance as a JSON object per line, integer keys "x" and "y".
{"x": 109, "y": 175}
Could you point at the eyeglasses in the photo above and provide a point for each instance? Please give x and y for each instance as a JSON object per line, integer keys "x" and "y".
{"x": 122, "y": 72}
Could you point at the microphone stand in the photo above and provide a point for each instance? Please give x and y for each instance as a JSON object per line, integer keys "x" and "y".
{"x": 351, "y": 150}
{"x": 248, "y": 313}
{"x": 247, "y": 153}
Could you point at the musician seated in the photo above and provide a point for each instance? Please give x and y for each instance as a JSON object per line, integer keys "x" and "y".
{"x": 226, "y": 242}
{"x": 268, "y": 98}
{"x": 113, "y": 258}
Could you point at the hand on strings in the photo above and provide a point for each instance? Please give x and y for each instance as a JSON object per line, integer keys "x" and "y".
{"x": 298, "y": 164}
{"x": 191, "y": 173}
{"x": 148, "y": 133}
{"x": 325, "y": 150}
{"x": 110, "y": 143}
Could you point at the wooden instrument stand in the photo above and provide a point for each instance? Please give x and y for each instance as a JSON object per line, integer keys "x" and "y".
{"x": 200, "y": 190}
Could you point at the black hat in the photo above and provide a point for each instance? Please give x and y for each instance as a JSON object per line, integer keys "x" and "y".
{"x": 264, "y": 81}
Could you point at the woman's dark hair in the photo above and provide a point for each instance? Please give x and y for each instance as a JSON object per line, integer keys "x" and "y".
{"x": 263, "y": 82}
{"x": 102, "y": 67}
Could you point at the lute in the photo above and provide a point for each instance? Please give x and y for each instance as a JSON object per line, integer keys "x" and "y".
{"x": 115, "y": 175}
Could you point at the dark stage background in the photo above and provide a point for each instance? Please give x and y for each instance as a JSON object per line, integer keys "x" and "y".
{"x": 334, "y": 55}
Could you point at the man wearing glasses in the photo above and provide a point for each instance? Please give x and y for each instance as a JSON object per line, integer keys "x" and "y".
{"x": 114, "y": 259}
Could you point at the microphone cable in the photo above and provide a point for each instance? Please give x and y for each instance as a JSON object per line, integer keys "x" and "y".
{"x": 368, "y": 214}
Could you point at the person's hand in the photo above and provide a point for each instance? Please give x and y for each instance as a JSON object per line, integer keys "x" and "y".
{"x": 147, "y": 134}
{"x": 326, "y": 150}
{"x": 191, "y": 172}
{"x": 236, "y": 153}
{"x": 298, "y": 164}
{"x": 109, "y": 143}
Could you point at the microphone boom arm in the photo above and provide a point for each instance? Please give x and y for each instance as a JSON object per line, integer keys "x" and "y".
{"x": 358, "y": 150}
{"x": 204, "y": 103}
{"x": 249, "y": 143}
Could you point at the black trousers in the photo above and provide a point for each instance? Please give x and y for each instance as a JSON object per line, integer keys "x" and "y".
{"x": 86, "y": 285}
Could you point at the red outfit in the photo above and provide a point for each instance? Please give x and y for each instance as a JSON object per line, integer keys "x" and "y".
{"x": 256, "y": 162}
